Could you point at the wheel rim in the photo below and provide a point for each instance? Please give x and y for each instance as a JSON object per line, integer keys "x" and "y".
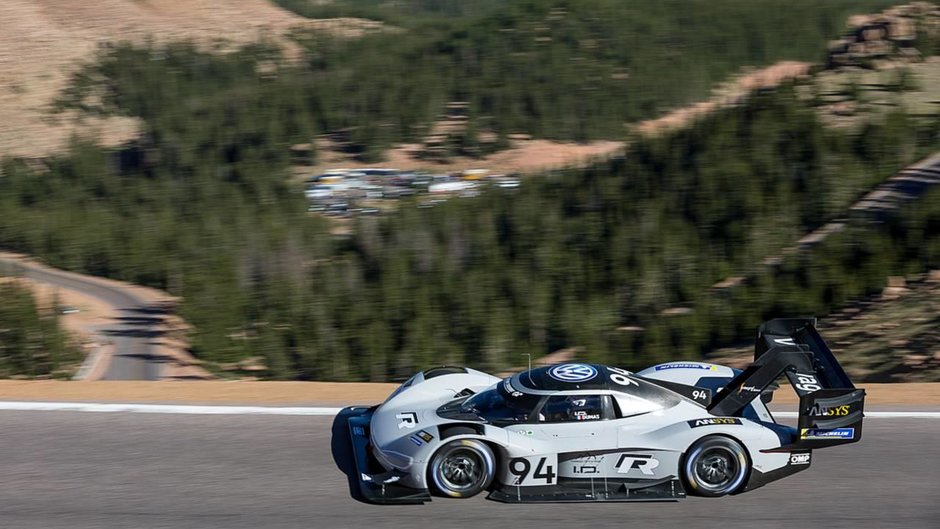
{"x": 461, "y": 470}
{"x": 716, "y": 468}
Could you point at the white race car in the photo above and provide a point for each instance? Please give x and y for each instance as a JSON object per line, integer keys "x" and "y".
{"x": 587, "y": 432}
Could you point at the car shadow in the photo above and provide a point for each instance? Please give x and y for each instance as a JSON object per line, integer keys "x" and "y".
{"x": 343, "y": 457}
{"x": 133, "y": 333}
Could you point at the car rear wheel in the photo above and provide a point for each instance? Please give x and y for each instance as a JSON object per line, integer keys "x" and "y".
{"x": 715, "y": 466}
{"x": 462, "y": 468}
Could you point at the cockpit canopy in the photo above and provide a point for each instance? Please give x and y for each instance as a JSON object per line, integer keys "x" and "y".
{"x": 562, "y": 393}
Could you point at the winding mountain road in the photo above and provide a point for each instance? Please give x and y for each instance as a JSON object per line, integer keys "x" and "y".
{"x": 131, "y": 331}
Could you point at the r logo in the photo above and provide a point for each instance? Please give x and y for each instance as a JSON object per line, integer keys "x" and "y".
{"x": 407, "y": 419}
{"x": 645, "y": 463}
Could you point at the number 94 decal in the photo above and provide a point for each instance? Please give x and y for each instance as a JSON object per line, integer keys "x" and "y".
{"x": 525, "y": 471}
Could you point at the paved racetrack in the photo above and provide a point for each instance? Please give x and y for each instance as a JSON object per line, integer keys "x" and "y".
{"x": 120, "y": 470}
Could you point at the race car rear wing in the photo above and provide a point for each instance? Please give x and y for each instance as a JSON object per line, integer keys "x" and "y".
{"x": 802, "y": 332}
{"x": 831, "y": 408}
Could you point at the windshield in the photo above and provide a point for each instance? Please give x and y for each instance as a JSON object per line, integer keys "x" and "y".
{"x": 498, "y": 407}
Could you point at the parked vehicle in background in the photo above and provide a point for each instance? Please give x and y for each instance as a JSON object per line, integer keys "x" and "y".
{"x": 318, "y": 192}
{"x": 358, "y": 187}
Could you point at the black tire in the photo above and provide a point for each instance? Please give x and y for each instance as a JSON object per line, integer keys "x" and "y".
{"x": 715, "y": 466}
{"x": 462, "y": 468}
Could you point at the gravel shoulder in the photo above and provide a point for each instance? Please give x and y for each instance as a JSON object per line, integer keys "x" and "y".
{"x": 328, "y": 393}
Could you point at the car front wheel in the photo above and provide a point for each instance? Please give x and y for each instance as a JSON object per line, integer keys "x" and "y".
{"x": 462, "y": 468}
{"x": 715, "y": 466}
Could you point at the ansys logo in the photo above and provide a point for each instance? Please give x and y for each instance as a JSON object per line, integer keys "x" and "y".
{"x": 829, "y": 411}
{"x": 572, "y": 372}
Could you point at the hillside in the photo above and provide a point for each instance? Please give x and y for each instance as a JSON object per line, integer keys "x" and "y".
{"x": 43, "y": 42}
{"x": 887, "y": 337}
{"x": 617, "y": 257}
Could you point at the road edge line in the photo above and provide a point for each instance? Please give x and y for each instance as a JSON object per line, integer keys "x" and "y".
{"x": 180, "y": 409}
{"x": 175, "y": 409}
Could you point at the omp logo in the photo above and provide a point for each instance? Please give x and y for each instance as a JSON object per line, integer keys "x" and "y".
{"x": 834, "y": 411}
{"x": 645, "y": 463}
{"x": 714, "y": 421}
{"x": 807, "y": 382}
{"x": 407, "y": 419}
{"x": 572, "y": 372}
{"x": 799, "y": 459}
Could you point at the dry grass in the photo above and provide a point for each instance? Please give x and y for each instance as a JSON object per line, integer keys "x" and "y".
{"x": 525, "y": 156}
{"x": 528, "y": 156}
{"x": 729, "y": 93}
{"x": 42, "y": 42}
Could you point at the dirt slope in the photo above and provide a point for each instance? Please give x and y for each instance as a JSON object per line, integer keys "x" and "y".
{"x": 42, "y": 42}
{"x": 728, "y": 94}
{"x": 529, "y": 156}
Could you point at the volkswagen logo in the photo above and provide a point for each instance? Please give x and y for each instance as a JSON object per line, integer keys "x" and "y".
{"x": 572, "y": 372}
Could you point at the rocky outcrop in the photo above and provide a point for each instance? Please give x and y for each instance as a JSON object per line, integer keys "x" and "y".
{"x": 878, "y": 40}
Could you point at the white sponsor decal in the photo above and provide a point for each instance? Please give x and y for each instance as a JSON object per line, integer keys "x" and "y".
{"x": 799, "y": 459}
{"x": 585, "y": 416}
{"x": 807, "y": 382}
{"x": 407, "y": 419}
{"x": 621, "y": 376}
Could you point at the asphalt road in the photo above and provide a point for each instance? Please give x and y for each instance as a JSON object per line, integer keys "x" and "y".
{"x": 131, "y": 334}
{"x": 104, "y": 470}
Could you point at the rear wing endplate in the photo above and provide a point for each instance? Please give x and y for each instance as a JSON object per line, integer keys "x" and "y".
{"x": 831, "y": 408}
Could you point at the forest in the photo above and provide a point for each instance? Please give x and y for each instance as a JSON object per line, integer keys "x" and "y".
{"x": 31, "y": 342}
{"x": 569, "y": 70}
{"x": 595, "y": 258}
